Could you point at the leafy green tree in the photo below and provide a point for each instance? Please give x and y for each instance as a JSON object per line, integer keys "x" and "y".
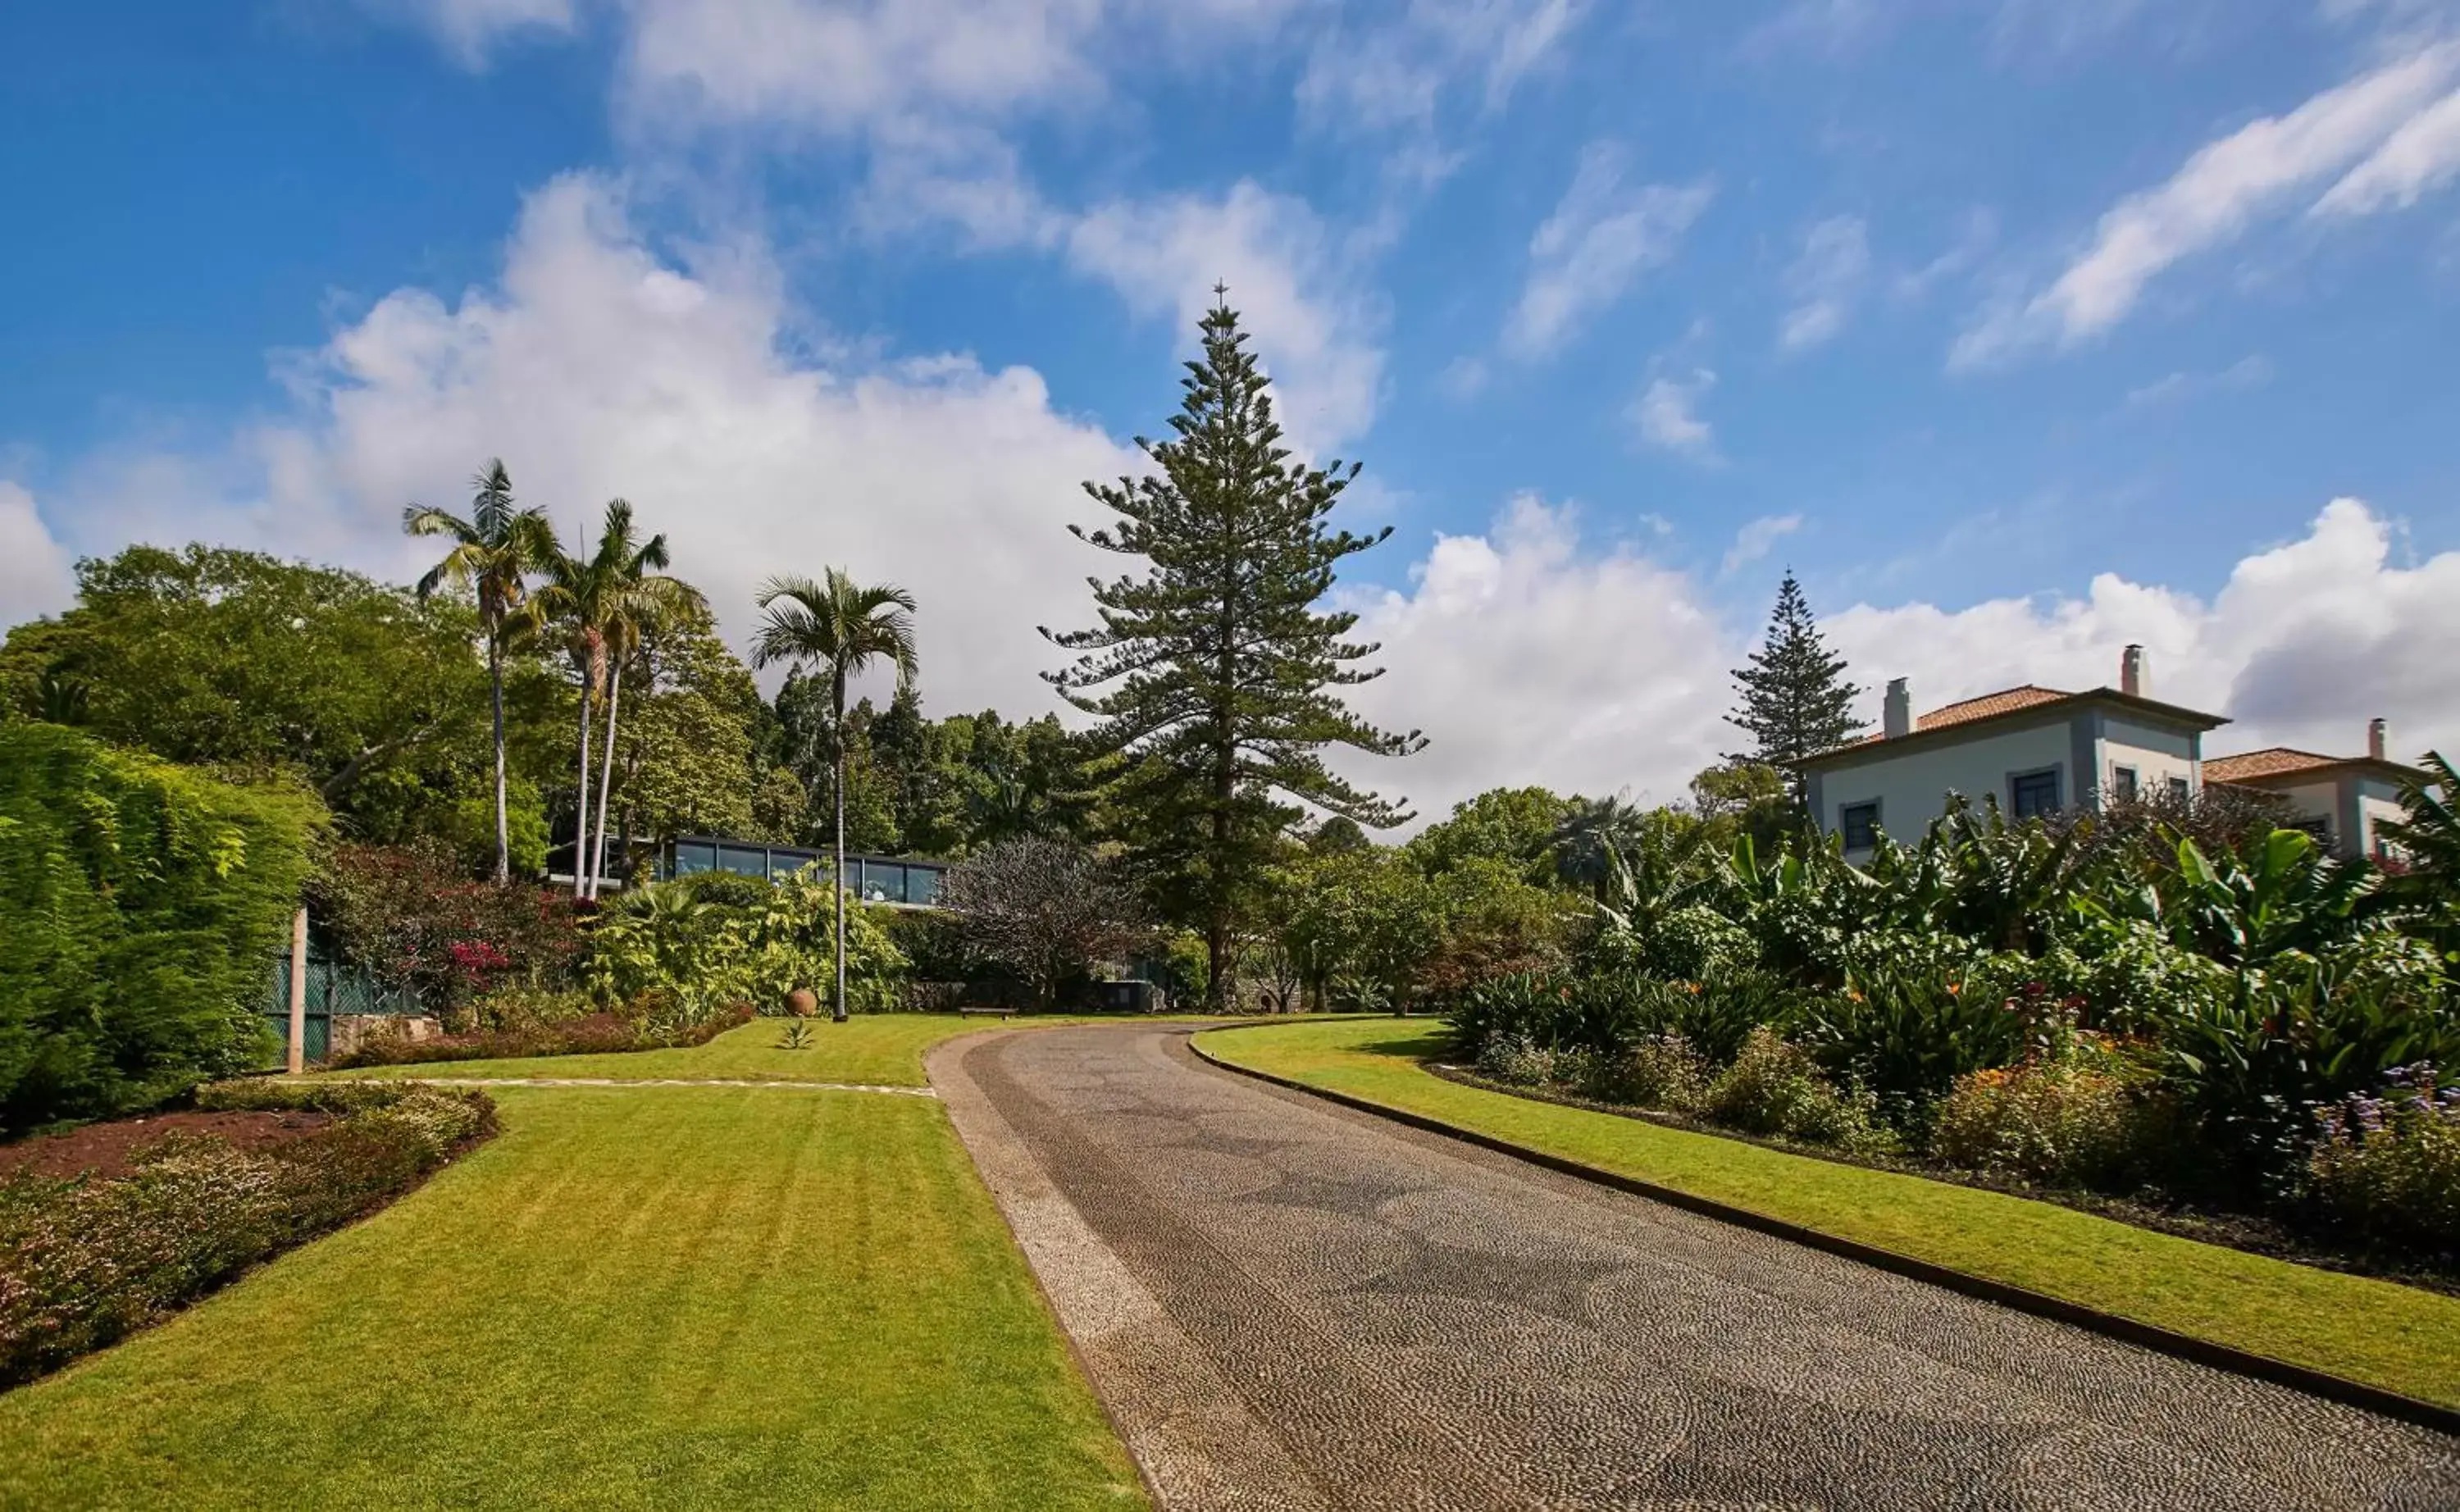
{"x": 1517, "y": 825}
{"x": 1793, "y": 699}
{"x": 1219, "y": 668}
{"x": 1743, "y": 797}
{"x": 604, "y": 602}
{"x": 841, "y": 630}
{"x": 495, "y": 552}
{"x": 686, "y": 756}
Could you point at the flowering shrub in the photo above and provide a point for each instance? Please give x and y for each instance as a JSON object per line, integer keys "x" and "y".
{"x": 86, "y": 1261}
{"x": 2389, "y": 1164}
{"x": 2075, "y": 1120}
{"x": 646, "y": 1025}
{"x": 412, "y": 918}
{"x": 1774, "y": 1087}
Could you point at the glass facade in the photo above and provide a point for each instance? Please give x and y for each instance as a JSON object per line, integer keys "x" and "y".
{"x": 876, "y": 878}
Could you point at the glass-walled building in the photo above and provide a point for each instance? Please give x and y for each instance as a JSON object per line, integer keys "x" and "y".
{"x": 875, "y": 879}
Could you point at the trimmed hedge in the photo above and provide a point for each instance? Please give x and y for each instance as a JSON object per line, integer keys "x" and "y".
{"x": 86, "y": 1261}
{"x": 139, "y": 906}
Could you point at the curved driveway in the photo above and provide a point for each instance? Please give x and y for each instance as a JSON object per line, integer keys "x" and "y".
{"x": 1286, "y": 1305}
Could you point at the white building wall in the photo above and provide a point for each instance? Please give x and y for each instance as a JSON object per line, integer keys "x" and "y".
{"x": 2312, "y": 801}
{"x": 2156, "y": 755}
{"x": 1912, "y": 785}
{"x": 2378, "y": 802}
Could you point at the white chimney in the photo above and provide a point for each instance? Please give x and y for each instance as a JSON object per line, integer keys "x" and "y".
{"x": 2135, "y": 672}
{"x": 2376, "y": 740}
{"x": 1897, "y": 717}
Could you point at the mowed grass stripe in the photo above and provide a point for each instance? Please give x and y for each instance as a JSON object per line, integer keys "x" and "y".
{"x": 633, "y": 1298}
{"x": 2400, "y": 1338}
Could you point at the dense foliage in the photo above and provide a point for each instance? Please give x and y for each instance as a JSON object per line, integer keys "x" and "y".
{"x": 2111, "y": 1004}
{"x": 141, "y": 905}
{"x": 1047, "y": 911}
{"x": 1215, "y": 673}
{"x": 705, "y": 946}
{"x": 413, "y": 917}
{"x": 86, "y": 1261}
{"x": 566, "y": 1027}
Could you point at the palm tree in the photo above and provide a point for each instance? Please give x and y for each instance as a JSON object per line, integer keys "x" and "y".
{"x": 843, "y": 630}
{"x": 1592, "y": 831}
{"x": 494, "y": 552}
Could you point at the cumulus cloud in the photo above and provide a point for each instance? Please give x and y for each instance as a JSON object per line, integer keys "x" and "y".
{"x": 1824, "y": 280}
{"x": 1289, "y": 276}
{"x": 1602, "y": 236}
{"x": 33, "y": 567}
{"x": 1530, "y": 655}
{"x": 597, "y": 367}
{"x": 2230, "y": 184}
{"x": 1667, "y": 415}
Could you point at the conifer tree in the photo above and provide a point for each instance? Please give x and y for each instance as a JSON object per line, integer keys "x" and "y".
{"x": 1217, "y": 669}
{"x": 1795, "y": 700}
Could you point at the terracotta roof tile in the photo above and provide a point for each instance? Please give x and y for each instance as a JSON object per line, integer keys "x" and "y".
{"x": 2271, "y": 761}
{"x": 2005, "y": 701}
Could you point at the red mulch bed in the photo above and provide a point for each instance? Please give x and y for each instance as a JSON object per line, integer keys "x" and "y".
{"x": 113, "y": 1149}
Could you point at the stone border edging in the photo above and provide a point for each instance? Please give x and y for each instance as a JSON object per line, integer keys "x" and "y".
{"x": 2023, "y": 1299}
{"x": 643, "y": 1082}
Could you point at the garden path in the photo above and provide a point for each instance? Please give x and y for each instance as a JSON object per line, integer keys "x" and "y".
{"x": 1287, "y": 1305}
{"x": 656, "y": 1081}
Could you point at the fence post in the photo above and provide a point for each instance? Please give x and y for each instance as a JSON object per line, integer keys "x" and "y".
{"x": 299, "y": 992}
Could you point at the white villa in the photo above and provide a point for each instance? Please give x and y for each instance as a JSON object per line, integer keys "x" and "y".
{"x": 2039, "y": 750}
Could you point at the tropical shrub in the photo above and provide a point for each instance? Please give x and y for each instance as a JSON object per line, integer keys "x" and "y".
{"x": 698, "y": 947}
{"x": 415, "y": 920}
{"x": 1908, "y": 1034}
{"x": 86, "y": 1261}
{"x": 2078, "y": 1120}
{"x": 1777, "y": 1088}
{"x": 140, "y": 906}
{"x": 2389, "y": 1165}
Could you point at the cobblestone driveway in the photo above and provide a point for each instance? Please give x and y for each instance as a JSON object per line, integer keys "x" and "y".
{"x": 1289, "y": 1305}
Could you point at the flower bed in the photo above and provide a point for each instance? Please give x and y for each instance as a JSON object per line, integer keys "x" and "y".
{"x": 86, "y": 1260}
{"x": 596, "y": 1033}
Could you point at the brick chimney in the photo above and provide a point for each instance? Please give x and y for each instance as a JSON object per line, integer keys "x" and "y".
{"x": 2376, "y": 740}
{"x": 2135, "y": 672}
{"x": 1896, "y": 715}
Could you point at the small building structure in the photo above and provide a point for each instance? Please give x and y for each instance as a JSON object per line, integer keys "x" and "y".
{"x": 2342, "y": 800}
{"x": 2036, "y": 749}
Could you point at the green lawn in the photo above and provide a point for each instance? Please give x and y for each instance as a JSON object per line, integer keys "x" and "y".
{"x": 685, "y": 1297}
{"x": 879, "y": 1048}
{"x": 2375, "y": 1332}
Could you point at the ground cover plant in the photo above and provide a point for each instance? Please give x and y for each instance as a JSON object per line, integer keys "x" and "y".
{"x": 586, "y": 1034}
{"x": 2151, "y": 1005}
{"x": 86, "y": 1259}
{"x": 806, "y": 1298}
{"x": 2402, "y": 1338}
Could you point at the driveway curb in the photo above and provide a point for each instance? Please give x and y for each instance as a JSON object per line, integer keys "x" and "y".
{"x": 2201, "y": 1351}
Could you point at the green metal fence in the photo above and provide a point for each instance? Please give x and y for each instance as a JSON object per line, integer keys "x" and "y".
{"x": 333, "y": 988}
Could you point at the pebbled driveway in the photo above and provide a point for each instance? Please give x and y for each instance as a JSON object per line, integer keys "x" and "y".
{"x": 1286, "y": 1305}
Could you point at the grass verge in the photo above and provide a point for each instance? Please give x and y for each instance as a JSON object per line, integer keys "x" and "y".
{"x": 2387, "y": 1335}
{"x": 875, "y": 1049}
{"x": 687, "y": 1297}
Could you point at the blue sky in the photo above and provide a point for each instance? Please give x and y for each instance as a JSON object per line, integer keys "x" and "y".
{"x": 2021, "y": 329}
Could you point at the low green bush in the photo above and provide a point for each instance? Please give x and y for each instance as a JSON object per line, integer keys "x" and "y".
{"x": 1662, "y": 1071}
{"x": 2389, "y": 1165}
{"x": 1774, "y": 1087}
{"x": 88, "y": 1260}
{"x": 2080, "y": 1120}
{"x": 140, "y": 905}
{"x": 644, "y": 1026}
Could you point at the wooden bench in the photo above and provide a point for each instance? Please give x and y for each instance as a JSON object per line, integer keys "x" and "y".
{"x": 985, "y": 1012}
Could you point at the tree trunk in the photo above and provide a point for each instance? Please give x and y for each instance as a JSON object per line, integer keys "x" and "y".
{"x": 605, "y": 778}
{"x": 581, "y": 819}
{"x": 496, "y": 693}
{"x": 1216, "y": 924}
{"x": 838, "y": 1011}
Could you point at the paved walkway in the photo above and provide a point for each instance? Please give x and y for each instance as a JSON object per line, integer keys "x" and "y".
{"x": 654, "y": 1081}
{"x": 1289, "y": 1305}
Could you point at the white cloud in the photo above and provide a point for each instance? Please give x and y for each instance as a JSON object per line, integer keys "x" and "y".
{"x": 34, "y": 569}
{"x": 1601, "y": 237}
{"x": 1824, "y": 280}
{"x": 2222, "y": 190}
{"x": 596, "y": 368}
{"x": 471, "y": 28}
{"x": 1289, "y": 278}
{"x": 1393, "y": 75}
{"x": 2247, "y": 373}
{"x": 1755, "y": 540}
{"x": 1530, "y": 655}
{"x": 1667, "y": 415}
{"x": 2421, "y": 157}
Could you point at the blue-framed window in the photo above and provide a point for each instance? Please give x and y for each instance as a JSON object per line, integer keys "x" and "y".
{"x": 2033, "y": 794}
{"x": 1859, "y": 822}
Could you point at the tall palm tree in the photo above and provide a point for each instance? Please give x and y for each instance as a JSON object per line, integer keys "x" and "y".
{"x": 604, "y": 601}
{"x": 841, "y": 630}
{"x": 494, "y": 552}
{"x": 1592, "y": 831}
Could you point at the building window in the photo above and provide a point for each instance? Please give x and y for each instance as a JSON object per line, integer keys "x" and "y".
{"x": 2122, "y": 783}
{"x": 1860, "y": 824}
{"x": 2033, "y": 794}
{"x": 2319, "y": 827}
{"x": 2180, "y": 789}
